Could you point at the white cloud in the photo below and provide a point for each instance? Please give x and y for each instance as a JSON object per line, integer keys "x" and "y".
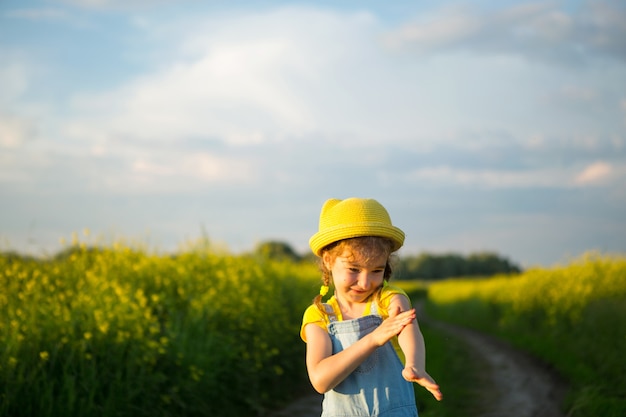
{"x": 438, "y": 31}
{"x": 468, "y": 27}
{"x": 578, "y": 93}
{"x": 265, "y": 77}
{"x": 14, "y": 131}
{"x": 275, "y": 76}
{"x": 452, "y": 176}
{"x": 240, "y": 91}
{"x": 598, "y": 172}
{"x": 203, "y": 167}
{"x": 251, "y": 79}
{"x": 533, "y": 30}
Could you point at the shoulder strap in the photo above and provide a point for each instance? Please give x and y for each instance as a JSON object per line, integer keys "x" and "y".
{"x": 330, "y": 312}
{"x": 374, "y": 308}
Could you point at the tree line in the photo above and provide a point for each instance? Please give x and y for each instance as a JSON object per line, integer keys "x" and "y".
{"x": 424, "y": 266}
{"x": 429, "y": 266}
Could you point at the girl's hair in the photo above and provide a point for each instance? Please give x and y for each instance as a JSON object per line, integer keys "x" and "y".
{"x": 364, "y": 248}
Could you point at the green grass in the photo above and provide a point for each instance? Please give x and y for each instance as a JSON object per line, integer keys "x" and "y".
{"x": 454, "y": 366}
{"x": 451, "y": 362}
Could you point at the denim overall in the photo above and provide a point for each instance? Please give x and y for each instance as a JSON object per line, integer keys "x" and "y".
{"x": 376, "y": 387}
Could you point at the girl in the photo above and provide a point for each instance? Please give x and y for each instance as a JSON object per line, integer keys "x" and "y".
{"x": 358, "y": 341}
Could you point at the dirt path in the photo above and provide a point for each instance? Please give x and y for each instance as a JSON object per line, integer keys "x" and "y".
{"x": 307, "y": 406}
{"x": 524, "y": 388}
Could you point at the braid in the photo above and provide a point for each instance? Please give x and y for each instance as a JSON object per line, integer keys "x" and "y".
{"x": 326, "y": 275}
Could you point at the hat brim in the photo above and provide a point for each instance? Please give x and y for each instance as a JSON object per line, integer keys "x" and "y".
{"x": 327, "y": 236}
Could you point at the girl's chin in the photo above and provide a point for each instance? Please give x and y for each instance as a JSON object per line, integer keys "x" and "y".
{"x": 359, "y": 295}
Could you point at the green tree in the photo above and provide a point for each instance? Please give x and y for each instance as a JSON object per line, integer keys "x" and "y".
{"x": 277, "y": 250}
{"x": 432, "y": 267}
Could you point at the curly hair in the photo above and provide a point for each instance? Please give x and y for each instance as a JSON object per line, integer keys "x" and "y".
{"x": 364, "y": 248}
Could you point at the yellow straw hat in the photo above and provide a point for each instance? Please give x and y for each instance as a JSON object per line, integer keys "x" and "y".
{"x": 354, "y": 217}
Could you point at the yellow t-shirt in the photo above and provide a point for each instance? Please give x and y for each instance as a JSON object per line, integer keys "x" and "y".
{"x": 313, "y": 315}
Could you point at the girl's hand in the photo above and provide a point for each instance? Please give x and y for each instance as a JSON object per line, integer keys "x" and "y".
{"x": 392, "y": 326}
{"x": 411, "y": 374}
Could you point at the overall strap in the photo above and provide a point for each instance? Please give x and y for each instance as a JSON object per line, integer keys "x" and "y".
{"x": 370, "y": 309}
{"x": 330, "y": 312}
{"x": 373, "y": 308}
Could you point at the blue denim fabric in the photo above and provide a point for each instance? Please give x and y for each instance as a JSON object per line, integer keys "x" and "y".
{"x": 376, "y": 387}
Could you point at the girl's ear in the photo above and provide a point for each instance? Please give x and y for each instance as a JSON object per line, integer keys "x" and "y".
{"x": 326, "y": 259}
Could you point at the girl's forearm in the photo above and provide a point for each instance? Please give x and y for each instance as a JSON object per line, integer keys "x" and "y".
{"x": 332, "y": 370}
{"x": 412, "y": 344}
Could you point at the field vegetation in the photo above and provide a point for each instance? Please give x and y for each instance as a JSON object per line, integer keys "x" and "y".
{"x": 573, "y": 317}
{"x": 118, "y": 331}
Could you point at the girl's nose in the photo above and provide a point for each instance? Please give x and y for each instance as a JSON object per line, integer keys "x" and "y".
{"x": 364, "y": 280}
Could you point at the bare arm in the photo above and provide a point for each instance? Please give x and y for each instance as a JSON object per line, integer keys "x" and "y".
{"x": 412, "y": 343}
{"x": 326, "y": 370}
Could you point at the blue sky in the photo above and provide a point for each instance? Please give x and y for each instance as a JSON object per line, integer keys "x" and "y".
{"x": 482, "y": 125}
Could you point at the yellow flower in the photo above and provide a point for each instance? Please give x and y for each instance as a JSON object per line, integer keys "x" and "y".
{"x": 44, "y": 355}
{"x": 103, "y": 327}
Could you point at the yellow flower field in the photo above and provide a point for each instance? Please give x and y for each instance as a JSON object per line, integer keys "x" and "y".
{"x": 119, "y": 331}
{"x": 573, "y": 317}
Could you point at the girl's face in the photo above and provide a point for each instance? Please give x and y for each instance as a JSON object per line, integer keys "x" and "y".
{"x": 355, "y": 279}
